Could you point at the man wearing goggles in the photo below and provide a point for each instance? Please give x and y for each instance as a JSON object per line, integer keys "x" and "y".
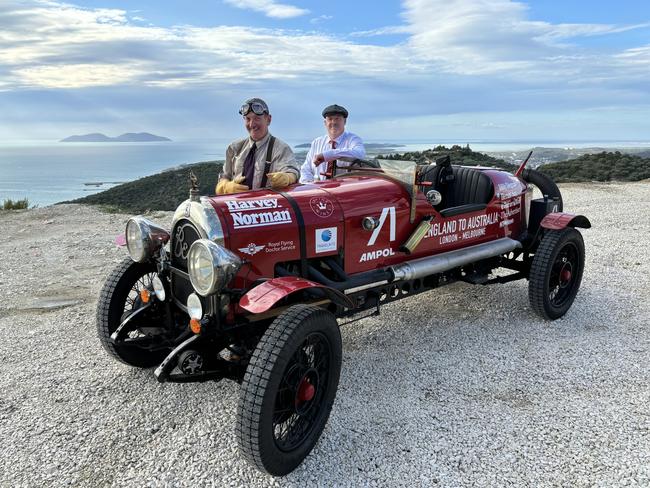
{"x": 337, "y": 143}
{"x": 258, "y": 108}
{"x": 259, "y": 160}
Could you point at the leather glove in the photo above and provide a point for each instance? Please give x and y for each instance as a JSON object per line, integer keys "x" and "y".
{"x": 235, "y": 186}
{"x": 280, "y": 180}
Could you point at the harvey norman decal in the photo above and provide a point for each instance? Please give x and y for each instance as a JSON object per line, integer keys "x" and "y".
{"x": 258, "y": 213}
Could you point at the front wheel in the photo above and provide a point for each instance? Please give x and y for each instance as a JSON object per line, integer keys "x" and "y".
{"x": 556, "y": 272}
{"x": 289, "y": 389}
{"x": 119, "y": 298}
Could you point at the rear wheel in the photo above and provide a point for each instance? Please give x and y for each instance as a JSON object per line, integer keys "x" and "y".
{"x": 289, "y": 389}
{"x": 119, "y": 298}
{"x": 556, "y": 272}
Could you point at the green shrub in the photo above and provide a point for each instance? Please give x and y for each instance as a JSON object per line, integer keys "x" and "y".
{"x": 459, "y": 155}
{"x": 10, "y": 204}
{"x": 604, "y": 166}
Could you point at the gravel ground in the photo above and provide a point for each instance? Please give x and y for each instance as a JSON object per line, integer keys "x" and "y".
{"x": 462, "y": 386}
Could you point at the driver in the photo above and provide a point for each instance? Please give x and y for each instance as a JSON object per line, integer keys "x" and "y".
{"x": 337, "y": 143}
{"x": 259, "y": 159}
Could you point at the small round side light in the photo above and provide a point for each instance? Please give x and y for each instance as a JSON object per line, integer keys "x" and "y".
{"x": 144, "y": 295}
{"x": 194, "y": 307}
{"x": 158, "y": 288}
{"x": 195, "y": 326}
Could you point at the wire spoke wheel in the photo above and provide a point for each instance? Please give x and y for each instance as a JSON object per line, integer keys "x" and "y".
{"x": 289, "y": 388}
{"x": 556, "y": 272}
{"x": 119, "y": 298}
{"x": 133, "y": 299}
{"x": 297, "y": 404}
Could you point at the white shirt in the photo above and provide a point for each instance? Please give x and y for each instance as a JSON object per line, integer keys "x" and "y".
{"x": 348, "y": 145}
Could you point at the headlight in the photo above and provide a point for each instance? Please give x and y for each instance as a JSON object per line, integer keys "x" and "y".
{"x": 210, "y": 266}
{"x": 194, "y": 307}
{"x": 144, "y": 238}
{"x": 158, "y": 288}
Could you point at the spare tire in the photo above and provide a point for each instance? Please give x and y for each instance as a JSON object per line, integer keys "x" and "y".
{"x": 545, "y": 184}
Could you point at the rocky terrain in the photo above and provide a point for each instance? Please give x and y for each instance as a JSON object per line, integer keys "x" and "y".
{"x": 461, "y": 386}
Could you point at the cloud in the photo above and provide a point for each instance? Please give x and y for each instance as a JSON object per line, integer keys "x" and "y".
{"x": 470, "y": 38}
{"x": 474, "y": 37}
{"x": 383, "y": 31}
{"x": 55, "y": 45}
{"x": 269, "y": 8}
{"x": 77, "y": 75}
{"x": 456, "y": 56}
{"x": 320, "y": 19}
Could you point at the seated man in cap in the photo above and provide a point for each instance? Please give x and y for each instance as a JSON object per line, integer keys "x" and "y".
{"x": 259, "y": 160}
{"x": 337, "y": 143}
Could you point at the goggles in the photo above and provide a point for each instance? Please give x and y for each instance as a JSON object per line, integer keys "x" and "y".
{"x": 255, "y": 107}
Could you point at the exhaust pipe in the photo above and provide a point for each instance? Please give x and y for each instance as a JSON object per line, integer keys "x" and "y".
{"x": 418, "y": 268}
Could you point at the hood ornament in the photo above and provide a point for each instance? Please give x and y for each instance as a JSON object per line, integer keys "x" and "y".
{"x": 194, "y": 187}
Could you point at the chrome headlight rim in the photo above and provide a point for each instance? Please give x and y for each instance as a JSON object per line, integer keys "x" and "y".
{"x": 145, "y": 239}
{"x": 218, "y": 267}
{"x": 194, "y": 306}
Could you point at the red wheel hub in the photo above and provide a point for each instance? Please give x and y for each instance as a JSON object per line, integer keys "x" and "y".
{"x": 565, "y": 275}
{"x": 306, "y": 391}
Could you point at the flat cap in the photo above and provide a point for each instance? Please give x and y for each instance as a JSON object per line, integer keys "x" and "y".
{"x": 335, "y": 110}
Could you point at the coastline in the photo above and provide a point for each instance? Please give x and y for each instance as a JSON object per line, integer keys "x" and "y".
{"x": 46, "y": 173}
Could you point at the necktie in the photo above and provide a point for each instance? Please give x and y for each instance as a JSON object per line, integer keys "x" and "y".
{"x": 331, "y": 164}
{"x": 249, "y": 167}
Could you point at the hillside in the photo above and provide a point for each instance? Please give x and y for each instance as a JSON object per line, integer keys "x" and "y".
{"x": 126, "y": 137}
{"x": 604, "y": 166}
{"x": 162, "y": 191}
{"x": 166, "y": 190}
{"x": 459, "y": 155}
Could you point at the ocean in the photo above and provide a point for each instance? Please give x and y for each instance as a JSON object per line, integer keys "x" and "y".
{"x": 46, "y": 172}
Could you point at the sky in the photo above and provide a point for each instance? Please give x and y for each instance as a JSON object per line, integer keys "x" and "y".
{"x": 415, "y": 70}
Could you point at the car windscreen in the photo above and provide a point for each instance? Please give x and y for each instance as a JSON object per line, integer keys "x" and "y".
{"x": 403, "y": 171}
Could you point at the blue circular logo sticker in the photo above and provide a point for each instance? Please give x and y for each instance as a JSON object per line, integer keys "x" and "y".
{"x": 326, "y": 235}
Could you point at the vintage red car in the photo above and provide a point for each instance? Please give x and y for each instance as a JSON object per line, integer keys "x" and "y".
{"x": 249, "y": 286}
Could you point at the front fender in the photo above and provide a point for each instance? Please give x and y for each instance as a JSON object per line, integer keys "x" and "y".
{"x": 561, "y": 220}
{"x": 263, "y": 297}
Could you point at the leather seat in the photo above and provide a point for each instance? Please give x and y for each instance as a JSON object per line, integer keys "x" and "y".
{"x": 469, "y": 186}
{"x": 459, "y": 186}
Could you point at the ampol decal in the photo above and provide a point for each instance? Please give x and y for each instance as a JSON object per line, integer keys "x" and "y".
{"x": 380, "y": 253}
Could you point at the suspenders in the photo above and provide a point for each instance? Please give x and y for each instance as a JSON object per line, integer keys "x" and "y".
{"x": 267, "y": 165}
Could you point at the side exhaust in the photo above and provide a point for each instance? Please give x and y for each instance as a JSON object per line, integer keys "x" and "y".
{"x": 419, "y": 268}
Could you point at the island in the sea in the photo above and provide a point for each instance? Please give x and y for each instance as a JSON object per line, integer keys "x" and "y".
{"x": 127, "y": 137}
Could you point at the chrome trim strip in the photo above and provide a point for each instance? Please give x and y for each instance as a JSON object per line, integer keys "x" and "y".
{"x": 365, "y": 287}
{"x": 117, "y": 332}
{"x": 162, "y": 372}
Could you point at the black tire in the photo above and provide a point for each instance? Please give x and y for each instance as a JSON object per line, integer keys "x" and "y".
{"x": 556, "y": 272}
{"x": 290, "y": 383}
{"x": 118, "y": 297}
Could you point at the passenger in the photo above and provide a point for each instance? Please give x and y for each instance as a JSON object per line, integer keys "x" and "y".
{"x": 337, "y": 143}
{"x": 259, "y": 160}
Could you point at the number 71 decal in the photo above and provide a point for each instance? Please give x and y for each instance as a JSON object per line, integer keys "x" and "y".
{"x": 382, "y": 218}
